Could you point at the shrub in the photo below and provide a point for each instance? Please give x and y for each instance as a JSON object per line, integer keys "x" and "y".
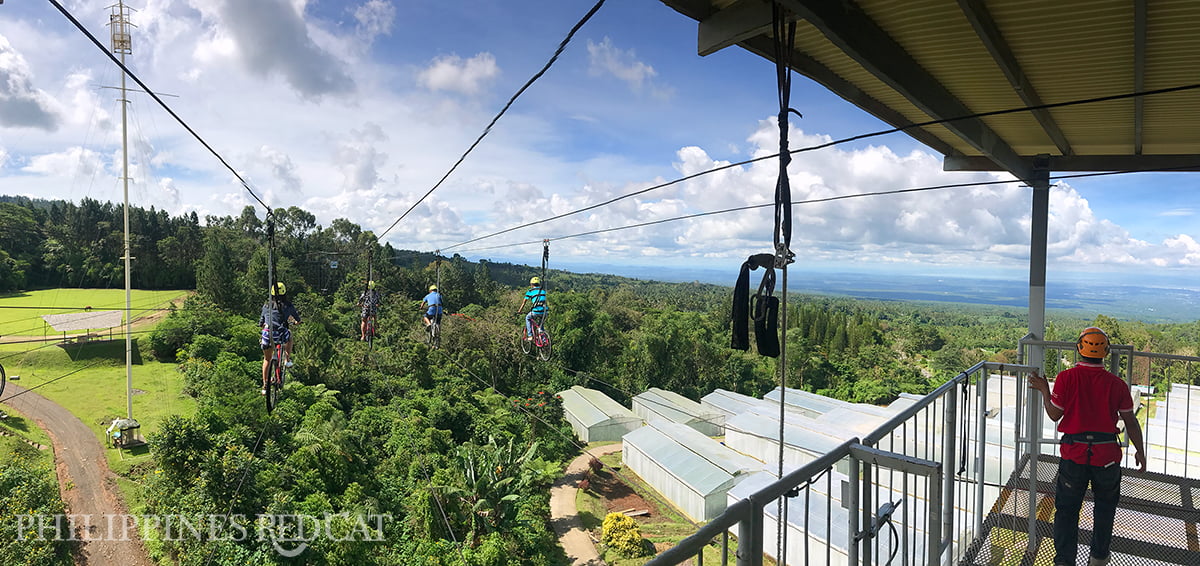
{"x": 584, "y": 484}
{"x": 621, "y": 534}
{"x": 595, "y": 464}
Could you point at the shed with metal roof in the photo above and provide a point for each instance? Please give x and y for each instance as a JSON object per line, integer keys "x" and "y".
{"x": 595, "y": 417}
{"x": 691, "y": 470}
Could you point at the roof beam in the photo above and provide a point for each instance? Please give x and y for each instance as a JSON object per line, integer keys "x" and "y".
{"x": 734, "y": 24}
{"x": 1103, "y": 163}
{"x": 856, "y": 34}
{"x": 813, "y": 69}
{"x": 1139, "y": 71}
{"x": 985, "y": 27}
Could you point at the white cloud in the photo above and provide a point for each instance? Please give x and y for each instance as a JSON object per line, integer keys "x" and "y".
{"x": 605, "y": 58}
{"x": 21, "y": 104}
{"x": 71, "y": 163}
{"x": 1178, "y": 212}
{"x": 375, "y": 18}
{"x": 453, "y": 73}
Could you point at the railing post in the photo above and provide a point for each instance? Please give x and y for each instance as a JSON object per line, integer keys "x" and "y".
{"x": 750, "y": 536}
{"x": 981, "y": 398}
{"x": 852, "y": 506}
{"x": 948, "y": 453}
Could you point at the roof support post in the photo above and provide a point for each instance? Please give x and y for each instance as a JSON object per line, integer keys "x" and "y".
{"x": 1039, "y": 222}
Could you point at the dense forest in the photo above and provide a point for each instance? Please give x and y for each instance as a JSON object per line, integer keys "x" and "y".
{"x": 457, "y": 445}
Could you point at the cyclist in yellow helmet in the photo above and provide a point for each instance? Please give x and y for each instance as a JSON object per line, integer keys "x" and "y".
{"x": 434, "y": 301}
{"x": 277, "y": 312}
{"x": 536, "y": 297}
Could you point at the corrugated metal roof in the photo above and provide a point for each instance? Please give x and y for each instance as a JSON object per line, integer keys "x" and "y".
{"x": 593, "y": 407}
{"x": 910, "y": 61}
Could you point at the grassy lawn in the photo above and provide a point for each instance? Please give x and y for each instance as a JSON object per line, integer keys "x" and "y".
{"x": 21, "y": 313}
{"x": 96, "y": 391}
{"x": 668, "y": 526}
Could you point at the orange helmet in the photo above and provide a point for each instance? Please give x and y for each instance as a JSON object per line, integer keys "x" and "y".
{"x": 1092, "y": 343}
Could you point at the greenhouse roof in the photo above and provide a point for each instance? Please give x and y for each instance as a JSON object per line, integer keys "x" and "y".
{"x": 698, "y": 461}
{"x": 673, "y": 406}
{"x": 592, "y": 407}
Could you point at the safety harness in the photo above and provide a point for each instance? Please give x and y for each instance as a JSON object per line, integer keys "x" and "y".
{"x": 1091, "y": 439}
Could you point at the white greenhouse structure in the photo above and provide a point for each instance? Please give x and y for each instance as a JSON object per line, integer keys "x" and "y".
{"x": 660, "y": 405}
{"x": 595, "y": 417}
{"x": 691, "y": 470}
{"x": 732, "y": 404}
{"x": 756, "y": 434}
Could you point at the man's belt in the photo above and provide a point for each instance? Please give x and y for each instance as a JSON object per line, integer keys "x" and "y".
{"x": 1089, "y": 438}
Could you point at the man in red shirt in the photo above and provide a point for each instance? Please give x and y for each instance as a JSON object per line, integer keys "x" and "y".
{"x": 1086, "y": 402}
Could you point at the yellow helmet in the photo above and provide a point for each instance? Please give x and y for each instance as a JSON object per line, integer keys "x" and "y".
{"x": 370, "y": 284}
{"x": 535, "y": 281}
{"x": 280, "y": 289}
{"x": 1092, "y": 343}
{"x": 433, "y": 288}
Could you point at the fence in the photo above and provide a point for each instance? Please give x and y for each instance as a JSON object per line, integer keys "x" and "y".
{"x": 916, "y": 492}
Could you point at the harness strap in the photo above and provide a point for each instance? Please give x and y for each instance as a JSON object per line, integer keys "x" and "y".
{"x": 1091, "y": 439}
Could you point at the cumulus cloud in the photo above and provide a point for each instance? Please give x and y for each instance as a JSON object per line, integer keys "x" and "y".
{"x": 71, "y": 163}
{"x": 282, "y": 168}
{"x": 455, "y": 74}
{"x": 271, "y": 37}
{"x": 21, "y": 104}
{"x": 607, "y": 59}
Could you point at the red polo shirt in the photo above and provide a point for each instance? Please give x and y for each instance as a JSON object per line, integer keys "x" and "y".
{"x": 1090, "y": 398}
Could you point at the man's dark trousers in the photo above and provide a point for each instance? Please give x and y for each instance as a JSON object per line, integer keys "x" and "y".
{"x": 1073, "y": 480}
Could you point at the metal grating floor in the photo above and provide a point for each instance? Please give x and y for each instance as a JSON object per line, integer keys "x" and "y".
{"x": 1156, "y": 522}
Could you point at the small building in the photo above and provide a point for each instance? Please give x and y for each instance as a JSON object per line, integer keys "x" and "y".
{"x": 595, "y": 417}
{"x": 691, "y": 470}
{"x": 660, "y": 405}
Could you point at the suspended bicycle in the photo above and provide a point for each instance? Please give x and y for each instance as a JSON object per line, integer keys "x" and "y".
{"x": 276, "y": 371}
{"x": 433, "y": 332}
{"x": 538, "y": 339}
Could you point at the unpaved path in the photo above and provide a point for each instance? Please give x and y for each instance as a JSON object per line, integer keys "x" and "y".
{"x": 565, "y": 517}
{"x": 88, "y": 487}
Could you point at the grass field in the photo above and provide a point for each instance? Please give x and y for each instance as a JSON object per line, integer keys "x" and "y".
{"x": 21, "y": 313}
{"x": 95, "y": 388}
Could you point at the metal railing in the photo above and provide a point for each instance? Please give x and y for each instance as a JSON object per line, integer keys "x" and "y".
{"x": 916, "y": 494}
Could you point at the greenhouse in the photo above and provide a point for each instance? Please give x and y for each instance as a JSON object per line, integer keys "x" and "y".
{"x": 732, "y": 404}
{"x": 595, "y": 416}
{"x": 660, "y": 405}
{"x": 756, "y": 434}
{"x": 691, "y": 470}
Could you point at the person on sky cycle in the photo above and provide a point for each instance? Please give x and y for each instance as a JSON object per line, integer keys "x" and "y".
{"x": 434, "y": 303}
{"x": 536, "y": 297}
{"x": 369, "y": 302}
{"x": 277, "y": 312}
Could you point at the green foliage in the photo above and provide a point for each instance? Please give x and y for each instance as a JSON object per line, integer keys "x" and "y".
{"x": 621, "y": 534}
{"x": 29, "y": 492}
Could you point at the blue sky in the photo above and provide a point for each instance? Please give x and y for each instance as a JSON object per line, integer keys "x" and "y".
{"x": 355, "y": 109}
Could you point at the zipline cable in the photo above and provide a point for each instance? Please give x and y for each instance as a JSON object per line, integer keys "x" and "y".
{"x": 561, "y": 46}
{"x": 831, "y": 144}
{"x": 156, "y": 98}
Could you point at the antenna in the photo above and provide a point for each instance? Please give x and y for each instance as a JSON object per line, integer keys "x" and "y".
{"x": 118, "y": 21}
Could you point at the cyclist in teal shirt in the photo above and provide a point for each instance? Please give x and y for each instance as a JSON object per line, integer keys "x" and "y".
{"x": 434, "y": 301}
{"x": 536, "y": 297}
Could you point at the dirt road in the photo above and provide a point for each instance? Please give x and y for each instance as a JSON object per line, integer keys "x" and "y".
{"x": 564, "y": 516}
{"x": 88, "y": 487}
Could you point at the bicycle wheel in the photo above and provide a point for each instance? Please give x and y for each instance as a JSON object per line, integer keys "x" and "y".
{"x": 542, "y": 341}
{"x": 282, "y": 368}
{"x": 3, "y": 380}
{"x": 272, "y": 392}
{"x": 526, "y": 345}
{"x": 435, "y": 334}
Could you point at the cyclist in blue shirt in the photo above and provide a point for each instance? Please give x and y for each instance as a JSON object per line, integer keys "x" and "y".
{"x": 536, "y": 297}
{"x": 277, "y": 312}
{"x": 434, "y": 301}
